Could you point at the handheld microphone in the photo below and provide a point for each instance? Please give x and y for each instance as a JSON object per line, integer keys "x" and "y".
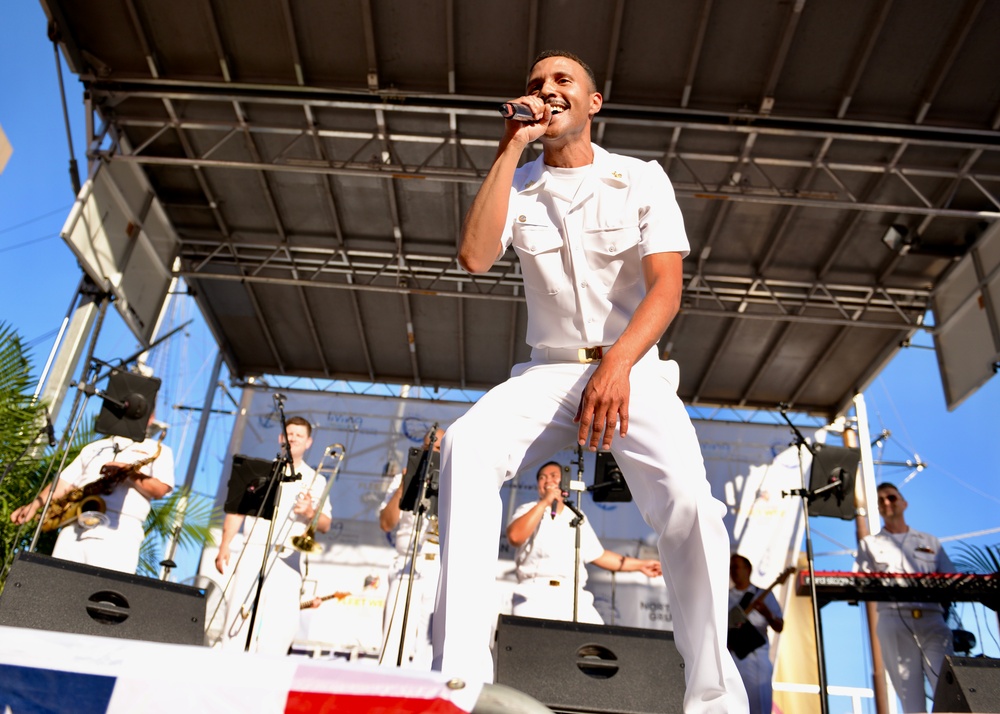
{"x": 563, "y": 490}
{"x": 516, "y": 112}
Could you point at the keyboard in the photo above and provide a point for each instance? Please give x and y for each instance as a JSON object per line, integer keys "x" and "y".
{"x": 903, "y": 587}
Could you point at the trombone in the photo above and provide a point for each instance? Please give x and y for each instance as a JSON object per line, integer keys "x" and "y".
{"x": 306, "y": 543}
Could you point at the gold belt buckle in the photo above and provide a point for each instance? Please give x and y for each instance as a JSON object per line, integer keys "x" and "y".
{"x": 554, "y": 583}
{"x": 430, "y": 556}
{"x": 917, "y": 614}
{"x": 590, "y": 354}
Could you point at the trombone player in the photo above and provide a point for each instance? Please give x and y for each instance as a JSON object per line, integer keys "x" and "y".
{"x": 125, "y": 477}
{"x": 295, "y": 508}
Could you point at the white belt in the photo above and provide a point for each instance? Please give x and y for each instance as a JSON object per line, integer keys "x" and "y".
{"x": 583, "y": 355}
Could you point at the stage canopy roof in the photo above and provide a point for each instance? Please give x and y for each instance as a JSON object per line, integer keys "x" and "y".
{"x": 315, "y": 160}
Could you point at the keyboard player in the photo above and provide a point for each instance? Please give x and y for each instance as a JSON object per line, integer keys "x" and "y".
{"x": 914, "y": 635}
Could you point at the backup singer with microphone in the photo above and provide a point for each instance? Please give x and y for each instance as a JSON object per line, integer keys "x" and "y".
{"x": 546, "y": 555}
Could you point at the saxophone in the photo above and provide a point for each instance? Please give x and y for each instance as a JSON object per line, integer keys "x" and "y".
{"x": 85, "y": 504}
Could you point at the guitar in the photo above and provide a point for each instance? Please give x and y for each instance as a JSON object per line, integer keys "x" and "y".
{"x": 743, "y": 637}
{"x": 309, "y": 603}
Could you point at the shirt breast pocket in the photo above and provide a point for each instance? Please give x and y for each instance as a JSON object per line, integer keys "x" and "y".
{"x": 539, "y": 249}
{"x": 613, "y": 256}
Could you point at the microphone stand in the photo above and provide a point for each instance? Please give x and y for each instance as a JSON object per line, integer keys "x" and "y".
{"x": 575, "y": 524}
{"x": 807, "y": 497}
{"x": 278, "y": 474}
{"x": 422, "y": 506}
{"x": 89, "y": 389}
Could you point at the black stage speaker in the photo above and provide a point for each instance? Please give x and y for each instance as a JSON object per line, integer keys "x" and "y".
{"x": 46, "y": 593}
{"x": 968, "y": 684}
{"x": 576, "y": 667}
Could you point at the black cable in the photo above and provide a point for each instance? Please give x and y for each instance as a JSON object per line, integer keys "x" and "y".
{"x": 74, "y": 173}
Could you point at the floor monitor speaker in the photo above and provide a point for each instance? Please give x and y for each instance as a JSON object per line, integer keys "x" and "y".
{"x": 577, "y": 667}
{"x": 46, "y": 593}
{"x": 968, "y": 684}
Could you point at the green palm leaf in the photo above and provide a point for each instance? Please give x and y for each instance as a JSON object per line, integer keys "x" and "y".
{"x": 977, "y": 559}
{"x": 199, "y": 518}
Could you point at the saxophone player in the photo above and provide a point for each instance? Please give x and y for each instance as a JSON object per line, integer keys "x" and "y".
{"x": 144, "y": 471}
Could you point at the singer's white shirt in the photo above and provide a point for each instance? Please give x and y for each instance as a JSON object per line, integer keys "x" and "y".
{"x": 550, "y": 551}
{"x": 581, "y": 255}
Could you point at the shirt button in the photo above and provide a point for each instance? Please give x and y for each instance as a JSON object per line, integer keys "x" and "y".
{"x": 583, "y": 284}
{"x": 521, "y": 218}
{"x": 532, "y": 247}
{"x": 611, "y": 249}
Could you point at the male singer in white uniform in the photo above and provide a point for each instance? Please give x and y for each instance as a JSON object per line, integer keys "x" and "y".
{"x": 545, "y": 539}
{"x": 278, "y": 609}
{"x": 914, "y": 635}
{"x": 114, "y": 544}
{"x": 417, "y": 651}
{"x": 600, "y": 240}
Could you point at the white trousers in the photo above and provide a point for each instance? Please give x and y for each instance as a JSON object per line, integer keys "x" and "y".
{"x": 913, "y": 648}
{"x": 115, "y": 546}
{"x": 523, "y": 422}
{"x": 417, "y": 652}
{"x": 756, "y": 671}
{"x": 278, "y": 609}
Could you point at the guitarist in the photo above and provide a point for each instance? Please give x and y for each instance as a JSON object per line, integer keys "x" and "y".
{"x": 762, "y": 611}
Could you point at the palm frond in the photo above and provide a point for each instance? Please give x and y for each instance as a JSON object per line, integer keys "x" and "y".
{"x": 199, "y": 518}
{"x": 977, "y": 559}
{"x": 26, "y": 460}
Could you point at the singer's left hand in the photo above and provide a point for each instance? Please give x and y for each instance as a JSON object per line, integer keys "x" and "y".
{"x": 604, "y": 403}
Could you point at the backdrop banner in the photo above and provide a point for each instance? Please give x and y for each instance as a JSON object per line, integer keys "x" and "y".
{"x": 748, "y": 465}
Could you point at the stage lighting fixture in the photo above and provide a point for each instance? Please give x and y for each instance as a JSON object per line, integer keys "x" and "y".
{"x": 897, "y": 238}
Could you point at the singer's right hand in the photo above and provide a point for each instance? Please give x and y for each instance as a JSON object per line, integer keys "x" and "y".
{"x": 527, "y": 132}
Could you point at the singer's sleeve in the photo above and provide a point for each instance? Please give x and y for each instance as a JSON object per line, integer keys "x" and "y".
{"x": 508, "y": 227}
{"x": 521, "y": 510}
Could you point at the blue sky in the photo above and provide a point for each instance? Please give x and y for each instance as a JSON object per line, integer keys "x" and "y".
{"x": 957, "y": 493}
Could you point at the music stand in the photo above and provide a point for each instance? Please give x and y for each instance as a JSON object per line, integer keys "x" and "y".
{"x": 128, "y": 402}
{"x": 247, "y": 487}
{"x": 609, "y": 483}
{"x": 420, "y": 495}
{"x": 411, "y": 485}
{"x": 831, "y": 481}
